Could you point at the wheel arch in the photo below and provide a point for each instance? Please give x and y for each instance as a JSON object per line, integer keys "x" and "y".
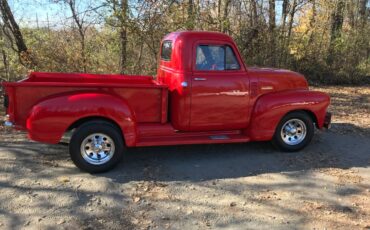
{"x": 84, "y": 120}
{"x": 51, "y": 118}
{"x": 311, "y": 114}
{"x": 269, "y": 109}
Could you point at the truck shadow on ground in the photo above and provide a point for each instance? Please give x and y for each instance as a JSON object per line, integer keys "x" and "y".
{"x": 347, "y": 146}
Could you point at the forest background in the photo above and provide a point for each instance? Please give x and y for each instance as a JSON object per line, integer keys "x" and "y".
{"x": 326, "y": 40}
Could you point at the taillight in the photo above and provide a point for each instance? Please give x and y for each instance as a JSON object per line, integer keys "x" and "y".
{"x": 6, "y": 101}
{"x": 7, "y": 122}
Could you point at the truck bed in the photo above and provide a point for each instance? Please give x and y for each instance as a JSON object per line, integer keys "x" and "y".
{"x": 38, "y": 86}
{"x": 89, "y": 78}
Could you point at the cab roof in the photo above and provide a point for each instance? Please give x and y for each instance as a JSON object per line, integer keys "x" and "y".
{"x": 197, "y": 35}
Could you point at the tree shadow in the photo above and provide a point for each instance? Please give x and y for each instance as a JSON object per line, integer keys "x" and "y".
{"x": 188, "y": 164}
{"x": 347, "y": 146}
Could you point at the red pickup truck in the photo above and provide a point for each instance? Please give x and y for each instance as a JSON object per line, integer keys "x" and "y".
{"x": 203, "y": 94}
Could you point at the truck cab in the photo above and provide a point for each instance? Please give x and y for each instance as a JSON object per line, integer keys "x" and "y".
{"x": 208, "y": 82}
{"x": 203, "y": 94}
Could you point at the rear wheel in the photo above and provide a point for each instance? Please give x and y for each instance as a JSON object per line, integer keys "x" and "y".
{"x": 96, "y": 146}
{"x": 294, "y": 132}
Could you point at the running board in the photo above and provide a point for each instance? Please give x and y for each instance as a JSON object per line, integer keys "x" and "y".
{"x": 219, "y": 137}
{"x": 189, "y": 140}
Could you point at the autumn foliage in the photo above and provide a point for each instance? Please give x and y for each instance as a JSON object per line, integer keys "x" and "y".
{"x": 327, "y": 40}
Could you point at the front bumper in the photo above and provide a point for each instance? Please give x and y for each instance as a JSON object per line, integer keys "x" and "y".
{"x": 327, "y": 121}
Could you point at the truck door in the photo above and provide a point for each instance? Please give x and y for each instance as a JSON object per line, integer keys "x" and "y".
{"x": 220, "y": 88}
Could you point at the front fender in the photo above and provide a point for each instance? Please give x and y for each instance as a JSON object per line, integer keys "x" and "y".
{"x": 51, "y": 117}
{"x": 269, "y": 109}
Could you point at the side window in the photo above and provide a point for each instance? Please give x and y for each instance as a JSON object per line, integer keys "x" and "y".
{"x": 166, "y": 50}
{"x": 231, "y": 61}
{"x": 210, "y": 57}
{"x": 213, "y": 57}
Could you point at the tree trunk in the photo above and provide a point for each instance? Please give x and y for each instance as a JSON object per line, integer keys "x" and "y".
{"x": 25, "y": 57}
{"x": 137, "y": 67}
{"x": 363, "y": 12}
{"x": 254, "y": 13}
{"x": 291, "y": 20}
{"x": 219, "y": 5}
{"x": 261, "y": 9}
{"x": 312, "y": 23}
{"x": 196, "y": 10}
{"x": 123, "y": 36}
{"x": 6, "y": 65}
{"x": 83, "y": 54}
{"x": 225, "y": 21}
{"x": 81, "y": 32}
{"x": 284, "y": 15}
{"x": 290, "y": 27}
{"x": 363, "y": 40}
{"x": 190, "y": 21}
{"x": 337, "y": 21}
{"x": 351, "y": 14}
{"x": 336, "y": 29}
{"x": 272, "y": 26}
{"x": 253, "y": 33}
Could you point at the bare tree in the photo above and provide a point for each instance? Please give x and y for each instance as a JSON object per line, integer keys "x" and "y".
{"x": 272, "y": 25}
{"x": 351, "y": 14}
{"x": 6, "y": 64}
{"x": 191, "y": 16}
{"x": 123, "y": 35}
{"x": 254, "y": 13}
{"x": 304, "y": 38}
{"x": 363, "y": 12}
{"x": 310, "y": 30}
{"x": 284, "y": 14}
{"x": 286, "y": 44}
{"x": 80, "y": 23}
{"x": 5, "y": 61}
{"x": 121, "y": 23}
{"x": 14, "y": 34}
{"x": 337, "y": 19}
{"x": 225, "y": 26}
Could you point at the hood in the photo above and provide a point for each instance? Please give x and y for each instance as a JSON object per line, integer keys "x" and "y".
{"x": 270, "y": 79}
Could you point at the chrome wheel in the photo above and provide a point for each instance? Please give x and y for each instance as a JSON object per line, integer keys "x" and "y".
{"x": 97, "y": 148}
{"x": 293, "y": 131}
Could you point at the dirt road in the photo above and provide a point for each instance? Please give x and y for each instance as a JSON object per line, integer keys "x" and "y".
{"x": 233, "y": 186}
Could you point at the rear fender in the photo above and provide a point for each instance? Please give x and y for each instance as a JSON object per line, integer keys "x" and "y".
{"x": 50, "y": 118}
{"x": 271, "y": 108}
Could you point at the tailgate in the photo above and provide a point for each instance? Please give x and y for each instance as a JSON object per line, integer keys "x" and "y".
{"x": 8, "y": 103}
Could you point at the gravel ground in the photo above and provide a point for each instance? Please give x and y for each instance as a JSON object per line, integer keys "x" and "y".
{"x": 232, "y": 186}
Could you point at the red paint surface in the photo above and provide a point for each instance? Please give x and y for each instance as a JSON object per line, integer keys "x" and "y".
{"x": 245, "y": 104}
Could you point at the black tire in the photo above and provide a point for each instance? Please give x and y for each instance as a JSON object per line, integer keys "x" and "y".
{"x": 87, "y": 129}
{"x": 278, "y": 139}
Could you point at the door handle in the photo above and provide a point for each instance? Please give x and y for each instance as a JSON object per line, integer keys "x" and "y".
{"x": 200, "y": 79}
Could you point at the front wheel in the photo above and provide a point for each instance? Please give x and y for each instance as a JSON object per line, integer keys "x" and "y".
{"x": 294, "y": 132}
{"x": 96, "y": 146}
